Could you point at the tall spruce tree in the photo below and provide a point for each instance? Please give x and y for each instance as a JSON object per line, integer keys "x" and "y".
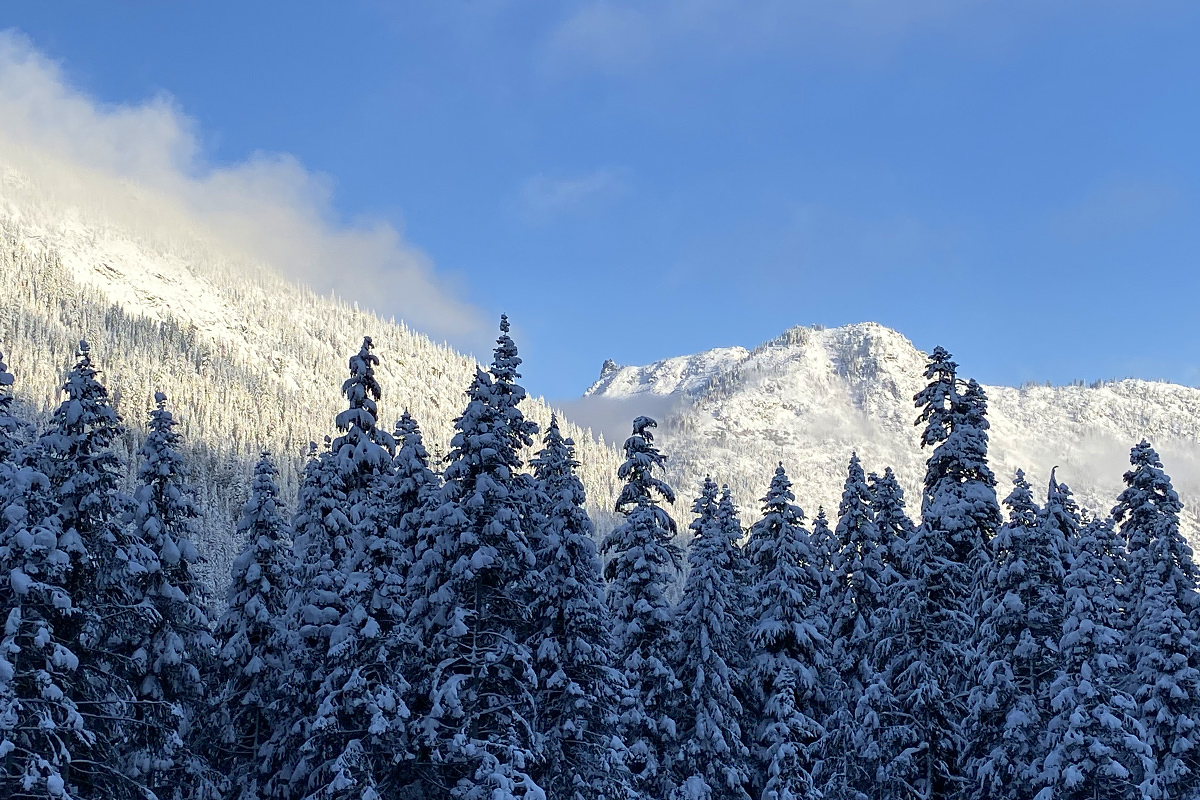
{"x": 356, "y": 727}
{"x": 412, "y": 483}
{"x": 1164, "y": 647}
{"x": 934, "y": 605}
{"x": 43, "y": 732}
{"x": 252, "y": 639}
{"x": 857, "y": 612}
{"x": 174, "y": 655}
{"x": 712, "y": 760}
{"x": 1095, "y": 742}
{"x": 1017, "y": 642}
{"x": 472, "y": 619}
{"x": 75, "y": 454}
{"x": 788, "y": 644}
{"x": 891, "y": 518}
{"x": 579, "y": 690}
{"x": 641, "y": 571}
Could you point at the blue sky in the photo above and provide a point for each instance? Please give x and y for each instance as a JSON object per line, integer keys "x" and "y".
{"x": 1017, "y": 181}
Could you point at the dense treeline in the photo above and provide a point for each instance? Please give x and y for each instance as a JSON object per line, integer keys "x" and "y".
{"x": 447, "y": 628}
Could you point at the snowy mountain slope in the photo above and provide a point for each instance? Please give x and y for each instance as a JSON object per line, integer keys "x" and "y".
{"x": 247, "y": 359}
{"x": 811, "y": 396}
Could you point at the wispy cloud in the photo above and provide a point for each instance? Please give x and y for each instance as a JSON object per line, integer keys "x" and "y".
{"x": 623, "y": 36}
{"x": 142, "y": 164}
{"x": 543, "y": 198}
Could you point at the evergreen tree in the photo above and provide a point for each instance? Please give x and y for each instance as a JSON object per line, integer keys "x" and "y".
{"x": 10, "y": 427}
{"x": 175, "y": 650}
{"x": 1096, "y": 744}
{"x": 641, "y": 571}
{"x": 472, "y": 617}
{"x": 412, "y": 483}
{"x": 43, "y": 734}
{"x": 352, "y": 609}
{"x": 1018, "y": 642}
{"x": 579, "y": 690}
{"x": 825, "y": 548}
{"x": 1164, "y": 645}
{"x": 934, "y": 605}
{"x": 252, "y": 638}
{"x": 788, "y": 644}
{"x": 76, "y": 456}
{"x": 891, "y": 519}
{"x": 712, "y": 757}
{"x": 857, "y": 612}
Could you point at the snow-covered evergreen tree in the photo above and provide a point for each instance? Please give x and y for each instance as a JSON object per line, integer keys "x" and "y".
{"x": 75, "y": 453}
{"x": 1017, "y": 642}
{"x": 928, "y": 645}
{"x": 412, "y": 483}
{"x": 788, "y": 644}
{"x": 857, "y": 612}
{"x": 471, "y": 616}
{"x": 1095, "y": 743}
{"x": 579, "y": 689}
{"x": 174, "y": 654}
{"x": 712, "y": 759}
{"x": 892, "y": 520}
{"x": 252, "y": 639}
{"x": 641, "y": 570}
{"x": 1164, "y": 647}
{"x": 43, "y": 734}
{"x": 825, "y": 547}
{"x": 9, "y": 425}
{"x": 353, "y": 737}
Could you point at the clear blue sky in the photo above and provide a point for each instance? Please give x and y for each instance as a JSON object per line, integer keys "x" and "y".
{"x": 1018, "y": 181}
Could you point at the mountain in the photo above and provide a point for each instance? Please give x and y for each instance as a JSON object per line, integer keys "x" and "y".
{"x": 811, "y": 396}
{"x": 247, "y": 359}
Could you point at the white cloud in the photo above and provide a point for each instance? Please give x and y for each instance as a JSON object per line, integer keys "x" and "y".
{"x": 542, "y": 197}
{"x": 624, "y": 36}
{"x": 141, "y": 165}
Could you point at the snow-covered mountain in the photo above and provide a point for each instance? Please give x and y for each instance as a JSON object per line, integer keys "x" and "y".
{"x": 811, "y": 396}
{"x": 248, "y": 359}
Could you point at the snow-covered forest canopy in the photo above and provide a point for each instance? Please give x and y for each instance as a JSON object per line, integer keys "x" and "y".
{"x": 446, "y": 627}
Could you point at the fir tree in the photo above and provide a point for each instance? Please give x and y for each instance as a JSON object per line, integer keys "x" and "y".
{"x": 1096, "y": 744}
{"x": 412, "y": 483}
{"x": 788, "y": 644}
{"x": 579, "y": 690}
{"x": 252, "y": 638}
{"x": 1018, "y": 642}
{"x": 712, "y": 758}
{"x": 891, "y": 519}
{"x": 10, "y": 427}
{"x": 641, "y": 571}
{"x": 1164, "y": 645}
{"x": 75, "y": 454}
{"x": 43, "y": 734}
{"x": 857, "y": 612}
{"x": 176, "y": 646}
{"x": 473, "y": 619}
{"x": 356, "y": 730}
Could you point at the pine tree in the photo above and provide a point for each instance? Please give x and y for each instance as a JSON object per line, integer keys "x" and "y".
{"x": 891, "y": 519}
{"x": 934, "y": 604}
{"x": 412, "y": 483}
{"x": 352, "y": 609}
{"x": 1096, "y": 744}
{"x": 579, "y": 690}
{"x": 712, "y": 757}
{"x": 641, "y": 571}
{"x": 75, "y": 454}
{"x": 252, "y": 638}
{"x": 174, "y": 654}
{"x": 43, "y": 733}
{"x": 1018, "y": 641}
{"x": 10, "y": 427}
{"x": 1164, "y": 645}
{"x": 471, "y": 615}
{"x": 825, "y": 549}
{"x": 857, "y": 612}
{"x": 788, "y": 644}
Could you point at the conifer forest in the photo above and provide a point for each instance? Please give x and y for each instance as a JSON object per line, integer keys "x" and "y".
{"x": 456, "y": 626}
